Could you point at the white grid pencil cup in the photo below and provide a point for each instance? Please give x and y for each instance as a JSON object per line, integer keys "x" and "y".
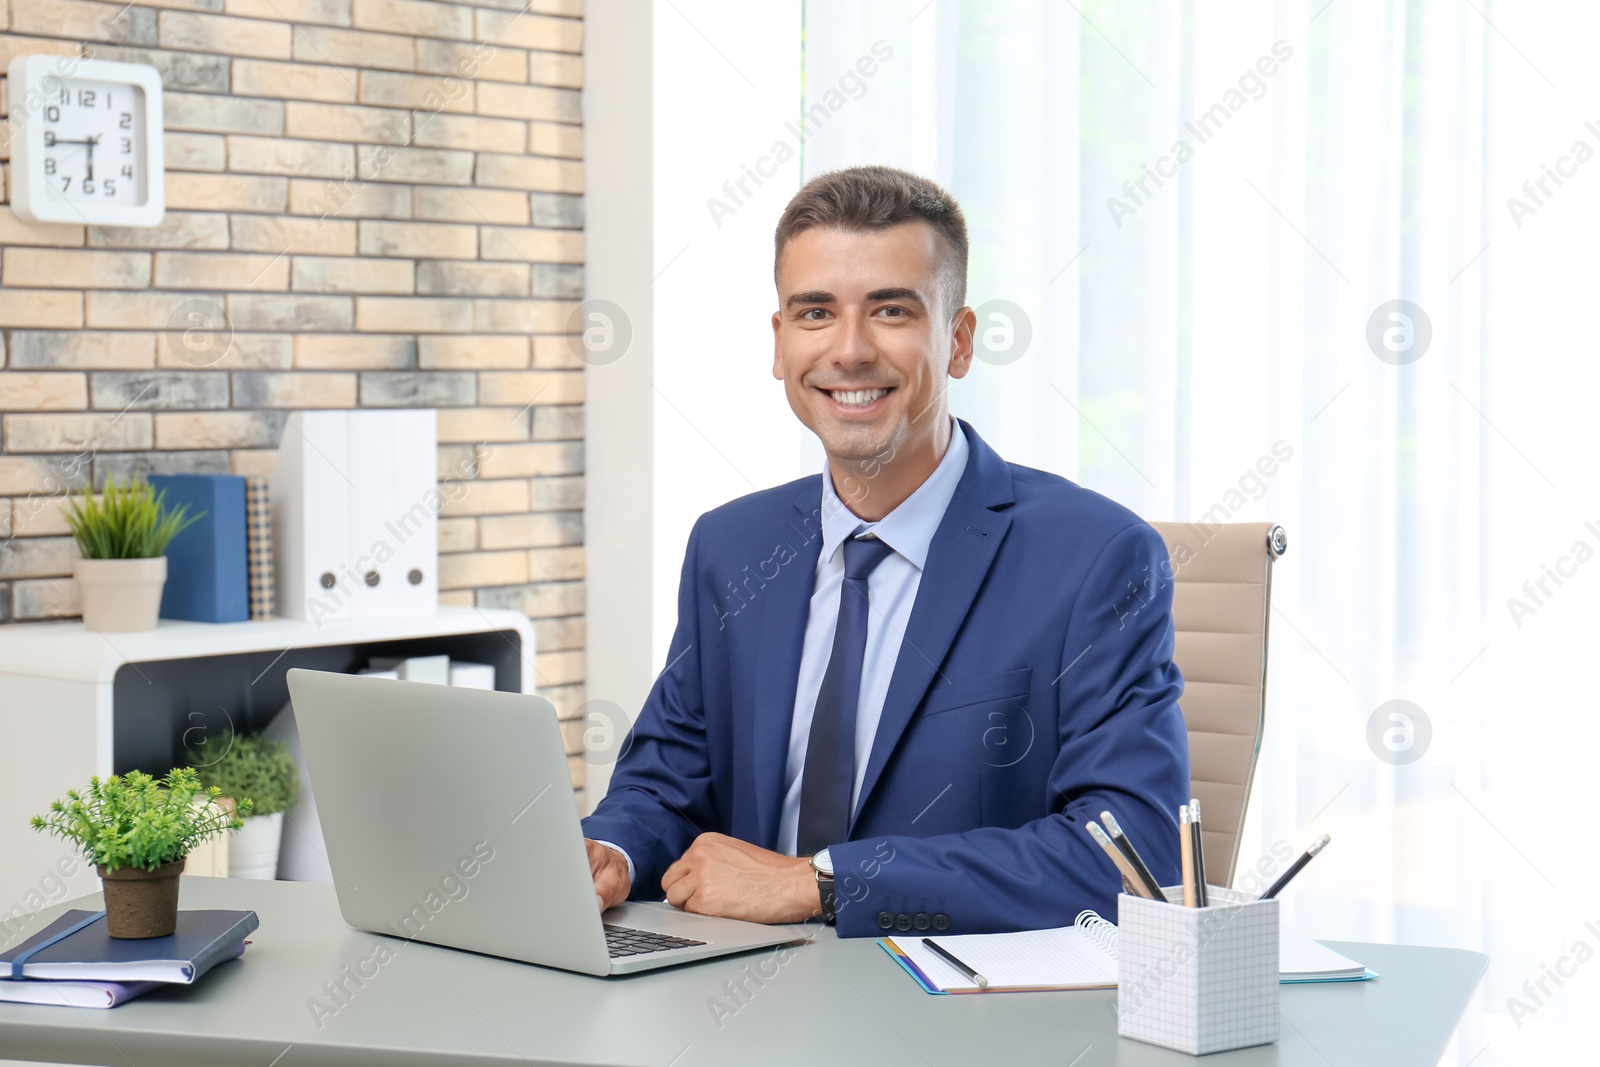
{"x": 1198, "y": 980}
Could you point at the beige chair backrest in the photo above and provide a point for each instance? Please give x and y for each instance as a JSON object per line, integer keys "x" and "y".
{"x": 1221, "y": 604}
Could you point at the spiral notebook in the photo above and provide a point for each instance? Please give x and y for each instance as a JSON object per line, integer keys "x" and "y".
{"x": 1080, "y": 956}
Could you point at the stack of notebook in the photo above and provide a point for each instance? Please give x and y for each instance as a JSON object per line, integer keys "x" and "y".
{"x": 74, "y": 962}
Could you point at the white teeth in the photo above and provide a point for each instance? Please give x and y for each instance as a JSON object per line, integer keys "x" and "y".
{"x": 857, "y": 397}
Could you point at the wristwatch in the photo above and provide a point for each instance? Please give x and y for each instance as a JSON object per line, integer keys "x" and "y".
{"x": 822, "y": 867}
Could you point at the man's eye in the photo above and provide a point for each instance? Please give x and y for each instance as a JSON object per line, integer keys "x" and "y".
{"x": 893, "y": 312}
{"x": 814, "y": 314}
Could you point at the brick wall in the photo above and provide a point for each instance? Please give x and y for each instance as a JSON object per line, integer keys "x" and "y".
{"x": 377, "y": 204}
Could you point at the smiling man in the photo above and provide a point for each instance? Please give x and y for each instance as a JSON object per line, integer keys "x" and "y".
{"x": 898, "y": 690}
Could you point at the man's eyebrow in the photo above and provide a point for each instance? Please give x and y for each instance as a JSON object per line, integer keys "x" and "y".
{"x": 880, "y": 295}
{"x": 877, "y": 296}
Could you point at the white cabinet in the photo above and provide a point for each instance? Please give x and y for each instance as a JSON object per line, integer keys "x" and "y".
{"x": 75, "y": 703}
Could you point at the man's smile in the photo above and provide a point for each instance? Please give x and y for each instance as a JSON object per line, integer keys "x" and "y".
{"x": 856, "y": 400}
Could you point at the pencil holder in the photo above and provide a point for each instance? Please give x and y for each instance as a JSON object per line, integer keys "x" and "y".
{"x": 1198, "y": 980}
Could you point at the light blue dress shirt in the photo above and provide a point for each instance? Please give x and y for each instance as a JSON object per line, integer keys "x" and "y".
{"x": 891, "y": 592}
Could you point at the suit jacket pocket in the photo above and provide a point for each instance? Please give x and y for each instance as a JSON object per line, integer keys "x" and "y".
{"x": 951, "y": 692}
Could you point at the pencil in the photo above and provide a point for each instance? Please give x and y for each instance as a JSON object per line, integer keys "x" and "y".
{"x": 1306, "y": 857}
{"x": 1201, "y": 896}
{"x": 966, "y": 969}
{"x": 1129, "y": 875}
{"x": 1123, "y": 842}
{"x": 1186, "y": 851}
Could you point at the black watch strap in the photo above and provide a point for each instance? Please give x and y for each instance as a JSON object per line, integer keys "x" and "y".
{"x": 825, "y": 890}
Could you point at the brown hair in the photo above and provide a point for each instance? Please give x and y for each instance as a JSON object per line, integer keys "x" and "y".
{"x": 863, "y": 199}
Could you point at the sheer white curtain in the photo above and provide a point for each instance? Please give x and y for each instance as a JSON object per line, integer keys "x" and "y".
{"x": 1204, "y": 212}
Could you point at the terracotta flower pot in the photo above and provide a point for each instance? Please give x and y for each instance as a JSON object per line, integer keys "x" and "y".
{"x": 141, "y": 903}
{"x": 120, "y": 595}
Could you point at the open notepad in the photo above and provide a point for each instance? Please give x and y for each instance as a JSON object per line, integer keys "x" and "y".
{"x": 1081, "y": 956}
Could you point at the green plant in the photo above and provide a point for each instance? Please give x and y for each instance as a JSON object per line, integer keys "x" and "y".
{"x": 139, "y": 821}
{"x": 129, "y": 521}
{"x": 251, "y": 766}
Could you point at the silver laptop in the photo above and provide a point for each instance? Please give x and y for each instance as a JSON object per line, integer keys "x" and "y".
{"x": 448, "y": 817}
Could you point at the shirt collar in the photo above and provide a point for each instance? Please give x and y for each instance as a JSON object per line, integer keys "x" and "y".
{"x": 909, "y": 528}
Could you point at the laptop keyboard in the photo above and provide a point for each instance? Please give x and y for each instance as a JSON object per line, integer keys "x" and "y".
{"x": 624, "y": 941}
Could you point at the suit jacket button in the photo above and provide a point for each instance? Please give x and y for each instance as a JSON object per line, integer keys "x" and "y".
{"x": 924, "y": 920}
{"x": 902, "y": 922}
{"x": 885, "y": 920}
{"x": 941, "y": 921}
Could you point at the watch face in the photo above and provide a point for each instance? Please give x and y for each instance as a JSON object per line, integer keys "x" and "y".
{"x": 94, "y": 142}
{"x": 823, "y": 863}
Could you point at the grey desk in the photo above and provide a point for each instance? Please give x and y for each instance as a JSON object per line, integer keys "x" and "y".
{"x": 828, "y": 1001}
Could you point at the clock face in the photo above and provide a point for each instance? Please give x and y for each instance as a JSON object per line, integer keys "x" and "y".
{"x": 87, "y": 143}
{"x": 94, "y": 142}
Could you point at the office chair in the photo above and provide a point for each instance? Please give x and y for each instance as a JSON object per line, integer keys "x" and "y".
{"x": 1221, "y": 605}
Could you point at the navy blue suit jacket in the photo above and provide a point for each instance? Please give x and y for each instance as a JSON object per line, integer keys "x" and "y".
{"x": 1034, "y": 688}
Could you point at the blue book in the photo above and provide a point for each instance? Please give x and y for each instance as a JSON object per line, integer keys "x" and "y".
{"x": 207, "y": 571}
{"x": 76, "y": 947}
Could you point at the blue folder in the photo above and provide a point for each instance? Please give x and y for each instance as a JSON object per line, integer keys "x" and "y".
{"x": 207, "y": 572}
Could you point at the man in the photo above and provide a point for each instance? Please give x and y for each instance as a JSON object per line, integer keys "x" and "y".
{"x": 920, "y": 673}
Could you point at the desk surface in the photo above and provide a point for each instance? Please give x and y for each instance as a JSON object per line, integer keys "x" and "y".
{"x": 827, "y": 1001}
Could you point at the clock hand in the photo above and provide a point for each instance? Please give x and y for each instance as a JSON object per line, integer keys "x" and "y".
{"x": 92, "y": 141}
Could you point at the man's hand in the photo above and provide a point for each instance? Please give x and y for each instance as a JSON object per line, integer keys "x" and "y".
{"x": 610, "y": 870}
{"x": 733, "y": 879}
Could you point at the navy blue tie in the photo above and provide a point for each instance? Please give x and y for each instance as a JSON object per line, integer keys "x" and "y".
{"x": 830, "y": 771}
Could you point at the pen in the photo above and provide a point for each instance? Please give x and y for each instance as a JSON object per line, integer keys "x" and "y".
{"x": 982, "y": 982}
{"x": 1316, "y": 846}
{"x": 1126, "y": 845}
{"x": 1129, "y": 876}
{"x": 1186, "y": 853}
{"x": 1201, "y": 896}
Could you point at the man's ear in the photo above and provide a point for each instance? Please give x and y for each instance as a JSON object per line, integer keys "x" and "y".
{"x": 777, "y": 347}
{"x": 961, "y": 330}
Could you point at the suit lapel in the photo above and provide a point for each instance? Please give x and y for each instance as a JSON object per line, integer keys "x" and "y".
{"x": 959, "y": 558}
{"x": 784, "y": 608}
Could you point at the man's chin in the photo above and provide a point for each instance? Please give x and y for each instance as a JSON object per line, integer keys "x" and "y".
{"x": 857, "y": 443}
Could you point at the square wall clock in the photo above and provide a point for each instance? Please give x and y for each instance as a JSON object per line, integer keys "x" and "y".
{"x": 86, "y": 141}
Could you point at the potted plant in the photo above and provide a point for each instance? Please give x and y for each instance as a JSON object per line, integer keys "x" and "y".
{"x": 261, "y": 772}
{"x": 122, "y": 537}
{"x": 136, "y": 830}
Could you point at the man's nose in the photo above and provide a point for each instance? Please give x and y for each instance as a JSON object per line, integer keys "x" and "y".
{"x": 855, "y": 345}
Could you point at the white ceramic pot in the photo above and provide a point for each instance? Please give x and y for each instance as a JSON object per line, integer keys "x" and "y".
{"x": 119, "y": 595}
{"x": 253, "y": 852}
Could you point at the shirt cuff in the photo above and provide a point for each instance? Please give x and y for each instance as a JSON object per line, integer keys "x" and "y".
{"x": 624, "y": 854}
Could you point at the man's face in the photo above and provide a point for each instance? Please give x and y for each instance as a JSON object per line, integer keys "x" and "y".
{"x": 861, "y": 341}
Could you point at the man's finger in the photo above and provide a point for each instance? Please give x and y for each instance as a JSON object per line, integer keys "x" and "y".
{"x": 607, "y": 869}
{"x": 679, "y": 892}
{"x": 698, "y": 902}
{"x": 679, "y": 869}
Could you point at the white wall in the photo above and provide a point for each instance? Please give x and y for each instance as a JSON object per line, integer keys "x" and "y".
{"x": 682, "y": 100}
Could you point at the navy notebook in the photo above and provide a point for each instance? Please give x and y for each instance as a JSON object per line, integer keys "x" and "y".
{"x": 203, "y": 940}
{"x": 83, "y": 994}
{"x": 207, "y": 569}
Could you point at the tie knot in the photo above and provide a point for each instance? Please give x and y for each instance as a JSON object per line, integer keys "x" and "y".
{"x": 862, "y": 556}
